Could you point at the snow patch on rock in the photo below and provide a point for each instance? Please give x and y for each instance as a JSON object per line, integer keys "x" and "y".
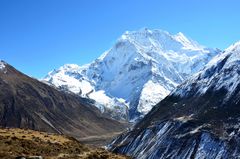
{"x": 2, "y": 65}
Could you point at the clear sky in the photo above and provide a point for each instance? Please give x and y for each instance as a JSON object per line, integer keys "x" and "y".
{"x": 37, "y": 36}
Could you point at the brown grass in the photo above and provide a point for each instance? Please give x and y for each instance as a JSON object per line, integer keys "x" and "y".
{"x": 19, "y": 142}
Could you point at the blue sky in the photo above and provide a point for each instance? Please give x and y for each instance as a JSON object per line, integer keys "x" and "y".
{"x": 37, "y": 36}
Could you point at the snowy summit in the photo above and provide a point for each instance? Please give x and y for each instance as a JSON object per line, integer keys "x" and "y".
{"x": 136, "y": 73}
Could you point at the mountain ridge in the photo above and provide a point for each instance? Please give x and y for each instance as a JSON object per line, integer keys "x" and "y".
{"x": 199, "y": 119}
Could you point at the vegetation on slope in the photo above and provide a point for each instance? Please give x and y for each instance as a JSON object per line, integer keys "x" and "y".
{"x": 17, "y": 143}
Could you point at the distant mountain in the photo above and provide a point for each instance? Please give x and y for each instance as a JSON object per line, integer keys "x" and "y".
{"x": 27, "y": 103}
{"x": 199, "y": 119}
{"x": 136, "y": 73}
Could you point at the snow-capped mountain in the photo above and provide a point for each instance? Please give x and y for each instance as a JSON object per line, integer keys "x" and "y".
{"x": 221, "y": 72}
{"x": 199, "y": 119}
{"x": 136, "y": 73}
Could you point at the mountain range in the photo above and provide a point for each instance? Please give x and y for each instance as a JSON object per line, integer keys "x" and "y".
{"x": 199, "y": 119}
{"x": 140, "y": 70}
{"x": 183, "y": 98}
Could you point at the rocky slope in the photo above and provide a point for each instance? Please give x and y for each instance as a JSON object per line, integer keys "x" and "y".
{"x": 199, "y": 119}
{"x": 136, "y": 73}
{"x": 27, "y": 103}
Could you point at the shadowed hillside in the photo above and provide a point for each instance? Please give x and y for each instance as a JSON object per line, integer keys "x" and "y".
{"x": 27, "y": 103}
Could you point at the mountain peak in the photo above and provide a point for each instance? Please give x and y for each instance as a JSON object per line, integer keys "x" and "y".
{"x": 69, "y": 66}
{"x": 140, "y": 61}
{"x": 234, "y": 47}
{"x": 145, "y": 32}
{"x": 161, "y": 39}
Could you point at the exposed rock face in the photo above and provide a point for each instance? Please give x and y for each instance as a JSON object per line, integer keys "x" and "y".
{"x": 199, "y": 119}
{"x": 168, "y": 140}
{"x": 27, "y": 103}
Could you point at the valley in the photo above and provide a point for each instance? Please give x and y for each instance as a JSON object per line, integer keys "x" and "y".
{"x": 165, "y": 96}
{"x": 119, "y": 79}
{"x": 28, "y": 103}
